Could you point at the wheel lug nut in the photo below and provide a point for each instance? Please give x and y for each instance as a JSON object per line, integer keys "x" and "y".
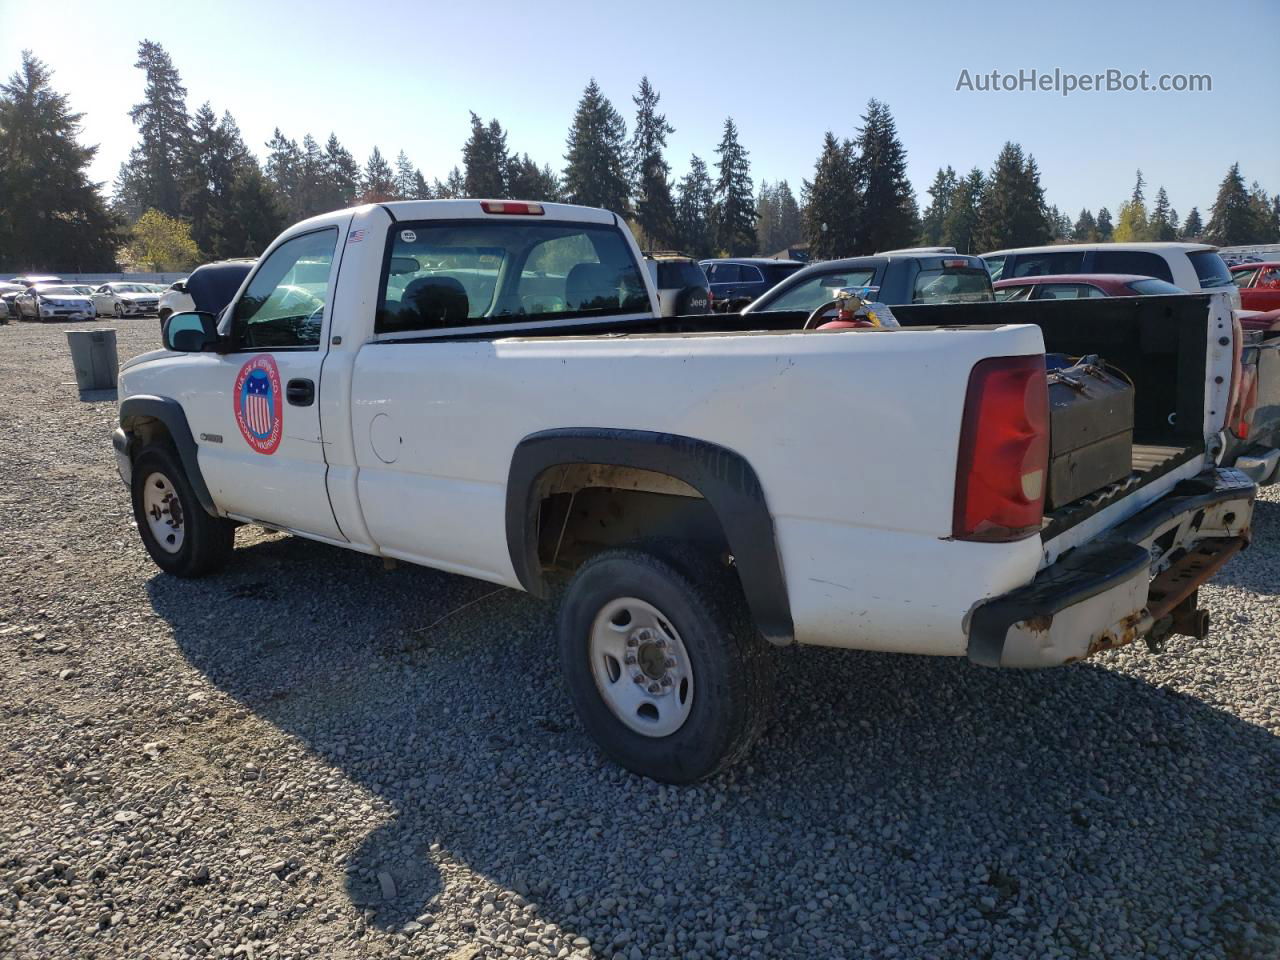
{"x": 669, "y": 662}
{"x": 629, "y": 659}
{"x": 666, "y": 681}
{"x": 655, "y": 688}
{"x": 638, "y": 678}
{"x": 632, "y": 641}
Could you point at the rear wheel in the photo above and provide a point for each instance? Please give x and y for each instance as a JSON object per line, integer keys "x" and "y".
{"x": 664, "y": 666}
{"x": 181, "y": 537}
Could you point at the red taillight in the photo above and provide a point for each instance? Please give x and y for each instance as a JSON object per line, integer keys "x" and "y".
{"x": 1004, "y": 451}
{"x": 512, "y": 206}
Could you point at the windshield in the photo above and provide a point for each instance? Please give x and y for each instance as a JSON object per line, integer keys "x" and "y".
{"x": 1210, "y": 269}
{"x": 454, "y": 273}
{"x": 952, "y": 285}
{"x": 129, "y": 288}
{"x": 814, "y": 291}
{"x": 52, "y": 290}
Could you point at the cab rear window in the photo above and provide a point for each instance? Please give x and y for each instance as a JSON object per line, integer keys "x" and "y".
{"x": 952, "y": 285}
{"x": 442, "y": 274}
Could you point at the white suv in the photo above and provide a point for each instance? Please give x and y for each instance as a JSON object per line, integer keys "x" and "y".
{"x": 1191, "y": 266}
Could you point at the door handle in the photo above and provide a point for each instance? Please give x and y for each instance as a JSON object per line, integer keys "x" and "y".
{"x": 301, "y": 392}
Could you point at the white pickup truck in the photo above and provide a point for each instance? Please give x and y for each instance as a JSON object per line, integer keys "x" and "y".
{"x": 485, "y": 387}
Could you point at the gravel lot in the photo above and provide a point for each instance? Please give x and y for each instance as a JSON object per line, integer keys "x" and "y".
{"x": 299, "y": 757}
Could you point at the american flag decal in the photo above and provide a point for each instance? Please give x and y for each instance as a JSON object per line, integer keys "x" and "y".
{"x": 259, "y": 414}
{"x": 355, "y": 236}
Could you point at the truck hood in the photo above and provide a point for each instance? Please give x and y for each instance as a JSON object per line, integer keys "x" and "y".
{"x": 145, "y": 357}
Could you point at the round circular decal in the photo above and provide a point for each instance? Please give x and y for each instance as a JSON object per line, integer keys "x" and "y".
{"x": 258, "y": 403}
{"x": 408, "y": 236}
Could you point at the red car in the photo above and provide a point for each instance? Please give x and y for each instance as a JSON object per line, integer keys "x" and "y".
{"x": 1259, "y": 285}
{"x": 1077, "y": 286}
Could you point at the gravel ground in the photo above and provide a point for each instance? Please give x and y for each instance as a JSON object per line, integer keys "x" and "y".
{"x": 299, "y": 757}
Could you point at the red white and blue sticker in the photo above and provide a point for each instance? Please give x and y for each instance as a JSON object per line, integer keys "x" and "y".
{"x": 257, "y": 398}
{"x": 355, "y": 236}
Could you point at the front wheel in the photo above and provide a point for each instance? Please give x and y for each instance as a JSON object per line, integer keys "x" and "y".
{"x": 663, "y": 663}
{"x": 181, "y": 537}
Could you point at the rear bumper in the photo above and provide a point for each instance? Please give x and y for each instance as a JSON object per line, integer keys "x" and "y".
{"x": 1120, "y": 587}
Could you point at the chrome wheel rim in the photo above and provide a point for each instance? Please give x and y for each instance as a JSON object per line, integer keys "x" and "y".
{"x": 641, "y": 667}
{"x": 163, "y": 512}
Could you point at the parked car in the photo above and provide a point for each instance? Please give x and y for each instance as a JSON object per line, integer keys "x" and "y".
{"x": 124, "y": 298}
{"x": 1259, "y": 285}
{"x": 209, "y": 288}
{"x": 892, "y": 279}
{"x": 681, "y": 284}
{"x": 636, "y": 455}
{"x": 735, "y": 282}
{"x": 1075, "y": 286}
{"x": 1191, "y": 266}
{"x": 7, "y": 293}
{"x": 30, "y": 279}
{"x": 1252, "y": 434}
{"x": 53, "y": 301}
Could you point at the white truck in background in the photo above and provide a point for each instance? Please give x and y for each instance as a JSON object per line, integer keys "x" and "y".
{"x": 487, "y": 388}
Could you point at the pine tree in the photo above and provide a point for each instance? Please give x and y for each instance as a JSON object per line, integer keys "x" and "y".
{"x": 1060, "y": 227}
{"x": 421, "y": 189}
{"x": 960, "y": 229}
{"x": 595, "y": 172}
{"x": 1105, "y": 229}
{"x": 284, "y": 171}
{"x": 405, "y": 181}
{"x": 52, "y": 216}
{"x": 1133, "y": 225}
{"x": 377, "y": 185}
{"x": 254, "y": 215}
{"x": 213, "y": 156}
{"x": 1192, "y": 228}
{"x": 531, "y": 182}
{"x": 151, "y": 178}
{"x": 485, "y": 160}
{"x": 889, "y": 216}
{"x": 1013, "y": 212}
{"x": 311, "y": 173}
{"x": 453, "y": 188}
{"x": 694, "y": 208}
{"x": 735, "y": 211}
{"x": 790, "y": 224}
{"x": 1261, "y": 205}
{"x": 651, "y": 188}
{"x": 1085, "y": 229}
{"x": 766, "y": 218}
{"x": 1232, "y": 216}
{"x": 834, "y": 202}
{"x": 1162, "y": 225}
{"x": 341, "y": 181}
{"x": 941, "y": 192}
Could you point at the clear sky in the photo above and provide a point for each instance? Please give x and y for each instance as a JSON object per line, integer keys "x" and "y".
{"x": 403, "y": 75}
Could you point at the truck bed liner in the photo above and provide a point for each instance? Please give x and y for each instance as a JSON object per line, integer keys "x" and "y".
{"x": 1150, "y": 463}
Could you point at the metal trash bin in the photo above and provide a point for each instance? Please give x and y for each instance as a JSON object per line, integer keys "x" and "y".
{"x": 93, "y": 354}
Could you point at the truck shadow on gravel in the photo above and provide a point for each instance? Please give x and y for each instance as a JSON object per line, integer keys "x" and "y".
{"x": 1066, "y": 800}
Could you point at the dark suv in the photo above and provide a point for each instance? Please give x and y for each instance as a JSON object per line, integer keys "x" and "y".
{"x": 737, "y": 281}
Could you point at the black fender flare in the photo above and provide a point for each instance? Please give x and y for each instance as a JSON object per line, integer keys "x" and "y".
{"x": 169, "y": 412}
{"x": 724, "y": 478}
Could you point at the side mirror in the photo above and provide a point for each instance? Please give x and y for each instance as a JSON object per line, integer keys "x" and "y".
{"x": 190, "y": 332}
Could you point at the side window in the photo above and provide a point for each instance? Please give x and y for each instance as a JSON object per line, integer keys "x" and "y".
{"x": 1044, "y": 264}
{"x": 749, "y": 274}
{"x": 1011, "y": 294}
{"x": 1060, "y": 291}
{"x": 725, "y": 273}
{"x": 1242, "y": 278}
{"x": 283, "y": 306}
{"x": 1270, "y": 279}
{"x": 1132, "y": 261}
{"x": 995, "y": 266}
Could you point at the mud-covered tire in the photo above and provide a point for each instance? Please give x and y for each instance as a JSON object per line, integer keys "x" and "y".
{"x": 728, "y": 661}
{"x": 198, "y": 544}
